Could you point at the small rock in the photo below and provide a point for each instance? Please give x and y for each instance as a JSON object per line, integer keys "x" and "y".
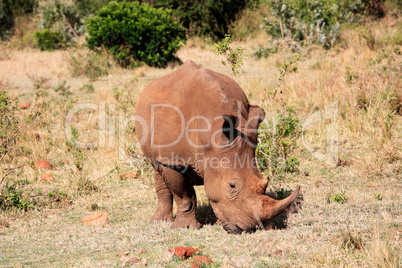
{"x": 142, "y": 251}
{"x": 34, "y": 134}
{"x": 200, "y": 260}
{"x": 317, "y": 182}
{"x": 24, "y": 105}
{"x": 123, "y": 253}
{"x": 43, "y": 164}
{"x": 129, "y": 260}
{"x": 128, "y": 175}
{"x": 46, "y": 177}
{"x": 97, "y": 218}
{"x": 4, "y": 223}
{"x": 277, "y": 252}
{"x": 183, "y": 252}
{"x": 345, "y": 163}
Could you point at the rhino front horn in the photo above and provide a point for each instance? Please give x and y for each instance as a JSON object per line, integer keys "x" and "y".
{"x": 270, "y": 208}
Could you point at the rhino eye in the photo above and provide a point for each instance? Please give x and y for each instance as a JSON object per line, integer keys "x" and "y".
{"x": 232, "y": 185}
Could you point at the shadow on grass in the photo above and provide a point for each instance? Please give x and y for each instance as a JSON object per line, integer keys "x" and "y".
{"x": 205, "y": 214}
{"x": 281, "y": 221}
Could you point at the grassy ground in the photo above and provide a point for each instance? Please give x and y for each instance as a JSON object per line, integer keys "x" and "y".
{"x": 350, "y": 216}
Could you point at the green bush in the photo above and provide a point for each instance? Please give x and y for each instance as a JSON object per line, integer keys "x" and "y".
{"x": 133, "y": 31}
{"x": 9, "y": 125}
{"x": 48, "y": 40}
{"x": 13, "y": 197}
{"x": 11, "y": 150}
{"x": 276, "y": 150}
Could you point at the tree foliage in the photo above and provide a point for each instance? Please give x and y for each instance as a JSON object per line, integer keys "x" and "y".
{"x": 301, "y": 22}
{"x": 204, "y": 17}
{"x": 6, "y": 19}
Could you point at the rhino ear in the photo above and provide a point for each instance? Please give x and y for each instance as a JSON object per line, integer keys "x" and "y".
{"x": 255, "y": 116}
{"x": 229, "y": 127}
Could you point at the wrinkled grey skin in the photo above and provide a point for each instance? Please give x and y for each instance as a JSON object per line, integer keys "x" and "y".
{"x": 218, "y": 153}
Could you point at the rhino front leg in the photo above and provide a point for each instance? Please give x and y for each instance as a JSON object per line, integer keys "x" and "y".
{"x": 185, "y": 198}
{"x": 164, "y": 211}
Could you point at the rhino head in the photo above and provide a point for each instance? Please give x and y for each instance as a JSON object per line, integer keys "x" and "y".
{"x": 235, "y": 187}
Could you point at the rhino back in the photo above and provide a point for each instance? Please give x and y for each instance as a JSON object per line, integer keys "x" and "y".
{"x": 187, "y": 98}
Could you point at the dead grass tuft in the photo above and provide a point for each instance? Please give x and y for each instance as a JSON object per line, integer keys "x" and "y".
{"x": 382, "y": 252}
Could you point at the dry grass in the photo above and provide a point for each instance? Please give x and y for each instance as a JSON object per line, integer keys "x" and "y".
{"x": 362, "y": 232}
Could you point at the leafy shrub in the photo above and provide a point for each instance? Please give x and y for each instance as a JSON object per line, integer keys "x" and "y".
{"x": 91, "y": 65}
{"x": 338, "y": 198}
{"x": 63, "y": 89}
{"x": 77, "y": 154}
{"x": 133, "y": 31}
{"x": 67, "y": 17}
{"x": 234, "y": 56}
{"x": 9, "y": 136}
{"x": 20, "y": 195}
{"x": 275, "y": 151}
{"x": 85, "y": 186}
{"x": 88, "y": 88}
{"x": 8, "y": 124}
{"x": 12, "y": 197}
{"x": 205, "y": 17}
{"x": 264, "y": 52}
{"x": 62, "y": 17}
{"x": 48, "y": 40}
{"x": 305, "y": 22}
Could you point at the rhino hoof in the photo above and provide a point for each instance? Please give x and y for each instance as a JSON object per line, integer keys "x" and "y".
{"x": 159, "y": 218}
{"x": 185, "y": 224}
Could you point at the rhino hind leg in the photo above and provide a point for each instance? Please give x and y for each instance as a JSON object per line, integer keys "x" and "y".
{"x": 164, "y": 211}
{"x": 185, "y": 198}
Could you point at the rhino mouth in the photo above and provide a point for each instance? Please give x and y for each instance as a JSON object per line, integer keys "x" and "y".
{"x": 236, "y": 229}
{"x": 232, "y": 228}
